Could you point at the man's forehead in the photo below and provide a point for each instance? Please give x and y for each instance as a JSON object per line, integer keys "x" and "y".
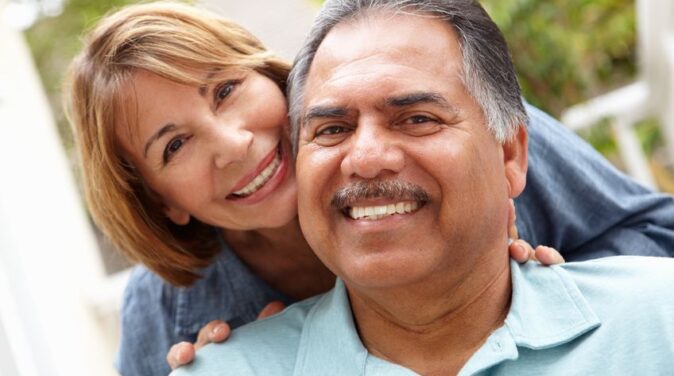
{"x": 385, "y": 47}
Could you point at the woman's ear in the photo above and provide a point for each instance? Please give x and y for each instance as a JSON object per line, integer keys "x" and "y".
{"x": 178, "y": 216}
{"x": 515, "y": 159}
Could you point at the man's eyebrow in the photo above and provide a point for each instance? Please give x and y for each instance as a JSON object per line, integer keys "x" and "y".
{"x": 417, "y": 98}
{"x": 317, "y": 112}
{"x": 162, "y": 131}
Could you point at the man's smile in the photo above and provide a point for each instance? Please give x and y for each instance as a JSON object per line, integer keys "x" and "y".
{"x": 372, "y": 213}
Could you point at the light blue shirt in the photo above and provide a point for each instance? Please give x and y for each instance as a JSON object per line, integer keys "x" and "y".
{"x": 613, "y": 316}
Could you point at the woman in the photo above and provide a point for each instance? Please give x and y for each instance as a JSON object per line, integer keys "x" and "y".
{"x": 180, "y": 123}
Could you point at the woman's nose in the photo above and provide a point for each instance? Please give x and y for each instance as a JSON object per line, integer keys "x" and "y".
{"x": 231, "y": 144}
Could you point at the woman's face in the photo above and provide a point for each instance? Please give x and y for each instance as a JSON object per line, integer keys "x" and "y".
{"x": 219, "y": 153}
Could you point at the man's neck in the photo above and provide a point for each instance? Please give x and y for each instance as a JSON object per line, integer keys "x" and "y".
{"x": 429, "y": 330}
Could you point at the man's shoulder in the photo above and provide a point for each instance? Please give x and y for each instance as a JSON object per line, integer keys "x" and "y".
{"x": 625, "y": 273}
{"x": 626, "y": 282}
{"x": 268, "y": 346}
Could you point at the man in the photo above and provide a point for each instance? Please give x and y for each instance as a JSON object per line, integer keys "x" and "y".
{"x": 410, "y": 143}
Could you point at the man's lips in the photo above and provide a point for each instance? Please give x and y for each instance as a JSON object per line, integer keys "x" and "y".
{"x": 257, "y": 178}
{"x": 375, "y": 212}
{"x": 376, "y": 199}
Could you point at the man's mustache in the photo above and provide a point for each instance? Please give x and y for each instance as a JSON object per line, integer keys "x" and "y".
{"x": 394, "y": 190}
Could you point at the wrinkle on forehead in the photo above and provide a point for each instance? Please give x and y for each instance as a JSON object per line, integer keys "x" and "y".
{"x": 377, "y": 70}
{"x": 364, "y": 43}
{"x": 368, "y": 28}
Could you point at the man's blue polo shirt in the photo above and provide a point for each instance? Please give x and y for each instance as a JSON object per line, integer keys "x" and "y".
{"x": 613, "y": 316}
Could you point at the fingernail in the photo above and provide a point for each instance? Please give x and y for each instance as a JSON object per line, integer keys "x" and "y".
{"x": 218, "y": 330}
{"x": 510, "y": 241}
{"x": 182, "y": 356}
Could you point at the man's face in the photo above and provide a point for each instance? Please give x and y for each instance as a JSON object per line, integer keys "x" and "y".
{"x": 399, "y": 177}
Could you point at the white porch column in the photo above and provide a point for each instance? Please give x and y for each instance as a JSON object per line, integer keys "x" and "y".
{"x": 48, "y": 257}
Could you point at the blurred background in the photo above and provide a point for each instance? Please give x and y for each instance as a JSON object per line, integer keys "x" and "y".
{"x": 604, "y": 67}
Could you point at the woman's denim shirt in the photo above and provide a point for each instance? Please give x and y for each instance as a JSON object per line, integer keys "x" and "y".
{"x": 156, "y": 315}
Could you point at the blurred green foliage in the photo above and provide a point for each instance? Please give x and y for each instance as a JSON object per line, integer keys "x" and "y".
{"x": 566, "y": 51}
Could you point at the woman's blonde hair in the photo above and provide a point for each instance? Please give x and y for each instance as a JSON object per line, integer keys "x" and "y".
{"x": 175, "y": 41}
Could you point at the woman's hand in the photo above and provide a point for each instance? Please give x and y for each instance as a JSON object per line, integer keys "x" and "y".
{"x": 521, "y": 251}
{"x": 215, "y": 331}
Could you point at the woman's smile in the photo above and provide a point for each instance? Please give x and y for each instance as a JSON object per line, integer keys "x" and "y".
{"x": 256, "y": 185}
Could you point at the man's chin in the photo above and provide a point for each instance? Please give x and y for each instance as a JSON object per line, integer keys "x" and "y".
{"x": 385, "y": 271}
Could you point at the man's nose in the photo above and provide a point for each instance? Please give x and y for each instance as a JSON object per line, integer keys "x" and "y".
{"x": 374, "y": 150}
{"x": 230, "y": 143}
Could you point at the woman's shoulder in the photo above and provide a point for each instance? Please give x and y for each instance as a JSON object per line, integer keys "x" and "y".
{"x": 227, "y": 291}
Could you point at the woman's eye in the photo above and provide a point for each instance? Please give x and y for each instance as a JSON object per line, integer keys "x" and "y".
{"x": 224, "y": 90}
{"x": 173, "y": 147}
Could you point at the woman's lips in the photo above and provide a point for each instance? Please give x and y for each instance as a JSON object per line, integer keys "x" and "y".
{"x": 257, "y": 179}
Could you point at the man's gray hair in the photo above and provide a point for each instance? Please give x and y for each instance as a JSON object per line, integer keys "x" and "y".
{"x": 488, "y": 72}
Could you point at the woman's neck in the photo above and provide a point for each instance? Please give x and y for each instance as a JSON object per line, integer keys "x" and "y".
{"x": 283, "y": 259}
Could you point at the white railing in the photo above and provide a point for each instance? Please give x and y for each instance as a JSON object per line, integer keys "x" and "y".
{"x": 651, "y": 96}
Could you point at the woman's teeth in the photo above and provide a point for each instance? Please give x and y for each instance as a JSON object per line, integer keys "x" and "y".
{"x": 376, "y": 212}
{"x": 261, "y": 179}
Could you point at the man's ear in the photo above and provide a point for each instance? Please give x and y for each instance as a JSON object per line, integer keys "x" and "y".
{"x": 515, "y": 159}
{"x": 177, "y": 216}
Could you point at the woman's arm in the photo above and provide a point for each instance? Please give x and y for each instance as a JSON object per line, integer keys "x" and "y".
{"x": 575, "y": 201}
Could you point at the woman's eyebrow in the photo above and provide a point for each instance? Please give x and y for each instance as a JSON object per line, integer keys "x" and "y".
{"x": 203, "y": 89}
{"x": 162, "y": 131}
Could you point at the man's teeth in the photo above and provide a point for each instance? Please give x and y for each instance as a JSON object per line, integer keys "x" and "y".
{"x": 261, "y": 179}
{"x": 376, "y": 212}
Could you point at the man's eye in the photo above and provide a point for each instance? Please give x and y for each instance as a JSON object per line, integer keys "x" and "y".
{"x": 331, "y": 135}
{"x": 173, "y": 147}
{"x": 331, "y": 130}
{"x": 418, "y": 119}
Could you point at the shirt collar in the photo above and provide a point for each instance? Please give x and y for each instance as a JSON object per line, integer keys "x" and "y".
{"x": 329, "y": 338}
{"x": 547, "y": 310}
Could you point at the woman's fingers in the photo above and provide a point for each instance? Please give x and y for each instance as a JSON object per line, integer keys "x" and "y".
{"x": 271, "y": 309}
{"x": 548, "y": 255}
{"x": 183, "y": 353}
{"x": 512, "y": 222}
{"x": 180, "y": 354}
{"x": 521, "y": 251}
{"x": 214, "y": 332}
